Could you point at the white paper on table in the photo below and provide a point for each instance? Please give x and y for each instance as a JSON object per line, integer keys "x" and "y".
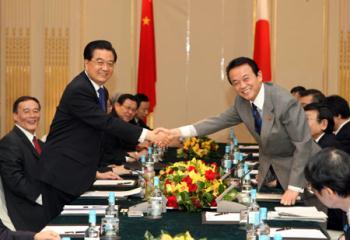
{"x": 299, "y": 233}
{"x": 270, "y": 196}
{"x": 114, "y": 182}
{"x": 221, "y": 217}
{"x": 253, "y": 154}
{"x": 82, "y": 212}
{"x": 81, "y": 207}
{"x": 104, "y": 194}
{"x": 251, "y": 164}
{"x": 303, "y": 212}
{"x": 68, "y": 230}
{"x": 249, "y": 146}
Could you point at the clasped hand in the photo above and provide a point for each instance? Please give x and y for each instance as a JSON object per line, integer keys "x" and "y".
{"x": 162, "y": 136}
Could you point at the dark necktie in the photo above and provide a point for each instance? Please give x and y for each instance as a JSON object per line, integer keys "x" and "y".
{"x": 257, "y": 118}
{"x": 36, "y": 145}
{"x": 102, "y": 98}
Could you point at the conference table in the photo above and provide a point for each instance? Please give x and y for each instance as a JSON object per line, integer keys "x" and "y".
{"x": 174, "y": 221}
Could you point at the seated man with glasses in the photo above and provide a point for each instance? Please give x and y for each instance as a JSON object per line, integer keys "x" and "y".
{"x": 116, "y": 151}
{"x": 328, "y": 173}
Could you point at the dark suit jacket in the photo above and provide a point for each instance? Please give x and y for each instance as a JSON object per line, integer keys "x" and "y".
{"x": 329, "y": 140}
{"x": 343, "y": 137}
{"x": 285, "y": 141}
{"x": 140, "y": 123}
{"x": 6, "y": 234}
{"x": 115, "y": 149}
{"x": 18, "y": 169}
{"x": 73, "y": 149}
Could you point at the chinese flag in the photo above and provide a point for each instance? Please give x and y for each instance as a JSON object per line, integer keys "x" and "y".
{"x": 262, "y": 54}
{"x": 147, "y": 56}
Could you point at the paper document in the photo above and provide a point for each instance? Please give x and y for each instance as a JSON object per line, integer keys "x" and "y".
{"x": 82, "y": 212}
{"x": 81, "y": 207}
{"x": 249, "y": 146}
{"x": 253, "y": 154}
{"x": 270, "y": 196}
{"x": 104, "y": 194}
{"x": 221, "y": 217}
{"x": 298, "y": 233}
{"x": 68, "y": 230}
{"x": 307, "y": 212}
{"x": 114, "y": 182}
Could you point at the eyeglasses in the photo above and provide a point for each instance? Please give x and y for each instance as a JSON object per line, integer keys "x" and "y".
{"x": 128, "y": 108}
{"x": 102, "y": 63}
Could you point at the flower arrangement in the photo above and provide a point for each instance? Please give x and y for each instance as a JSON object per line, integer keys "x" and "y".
{"x": 167, "y": 236}
{"x": 191, "y": 185}
{"x": 198, "y": 147}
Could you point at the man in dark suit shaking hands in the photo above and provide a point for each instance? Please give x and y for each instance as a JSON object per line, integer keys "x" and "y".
{"x": 74, "y": 145}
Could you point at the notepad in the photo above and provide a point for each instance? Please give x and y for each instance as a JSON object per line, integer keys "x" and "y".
{"x": 69, "y": 212}
{"x": 114, "y": 182}
{"x": 270, "y": 197}
{"x": 104, "y": 194}
{"x": 297, "y": 213}
{"x": 221, "y": 217}
{"x": 68, "y": 230}
{"x": 299, "y": 233}
{"x": 249, "y": 146}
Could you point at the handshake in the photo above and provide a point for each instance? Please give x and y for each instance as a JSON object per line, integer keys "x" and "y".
{"x": 162, "y": 136}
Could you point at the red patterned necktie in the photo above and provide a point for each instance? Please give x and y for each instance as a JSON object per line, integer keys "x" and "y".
{"x": 36, "y": 145}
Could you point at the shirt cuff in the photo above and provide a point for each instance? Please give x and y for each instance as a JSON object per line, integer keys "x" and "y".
{"x": 143, "y": 135}
{"x": 295, "y": 189}
{"x": 188, "y": 131}
{"x": 39, "y": 200}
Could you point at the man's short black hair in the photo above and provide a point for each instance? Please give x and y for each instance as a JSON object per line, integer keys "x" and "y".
{"x": 23, "y": 99}
{"x": 123, "y": 97}
{"x": 338, "y": 106}
{"x": 317, "y": 95}
{"x": 140, "y": 97}
{"x": 322, "y": 113}
{"x": 297, "y": 89}
{"x": 329, "y": 168}
{"x": 239, "y": 62}
{"x": 98, "y": 44}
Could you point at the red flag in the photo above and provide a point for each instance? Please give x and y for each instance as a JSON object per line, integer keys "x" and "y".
{"x": 147, "y": 55}
{"x": 262, "y": 54}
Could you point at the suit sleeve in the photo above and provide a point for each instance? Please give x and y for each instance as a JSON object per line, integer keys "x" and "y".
{"x": 7, "y": 234}
{"x": 82, "y": 105}
{"x": 213, "y": 124}
{"x": 298, "y": 130}
{"x": 13, "y": 174}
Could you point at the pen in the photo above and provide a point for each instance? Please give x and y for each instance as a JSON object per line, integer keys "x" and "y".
{"x": 282, "y": 229}
{"x": 221, "y": 213}
{"x": 74, "y": 232}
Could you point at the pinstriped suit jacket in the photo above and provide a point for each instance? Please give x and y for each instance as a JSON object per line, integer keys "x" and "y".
{"x": 285, "y": 141}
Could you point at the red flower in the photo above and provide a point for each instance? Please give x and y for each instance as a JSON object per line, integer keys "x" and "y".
{"x": 213, "y": 203}
{"x": 192, "y": 168}
{"x": 196, "y": 202}
{"x": 167, "y": 182}
{"x": 210, "y": 175}
{"x": 215, "y": 166}
{"x": 192, "y": 188}
{"x": 187, "y": 180}
{"x": 172, "y": 202}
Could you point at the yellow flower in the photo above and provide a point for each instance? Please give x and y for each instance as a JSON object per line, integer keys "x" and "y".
{"x": 196, "y": 177}
{"x": 170, "y": 188}
{"x": 166, "y": 236}
{"x": 181, "y": 187}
